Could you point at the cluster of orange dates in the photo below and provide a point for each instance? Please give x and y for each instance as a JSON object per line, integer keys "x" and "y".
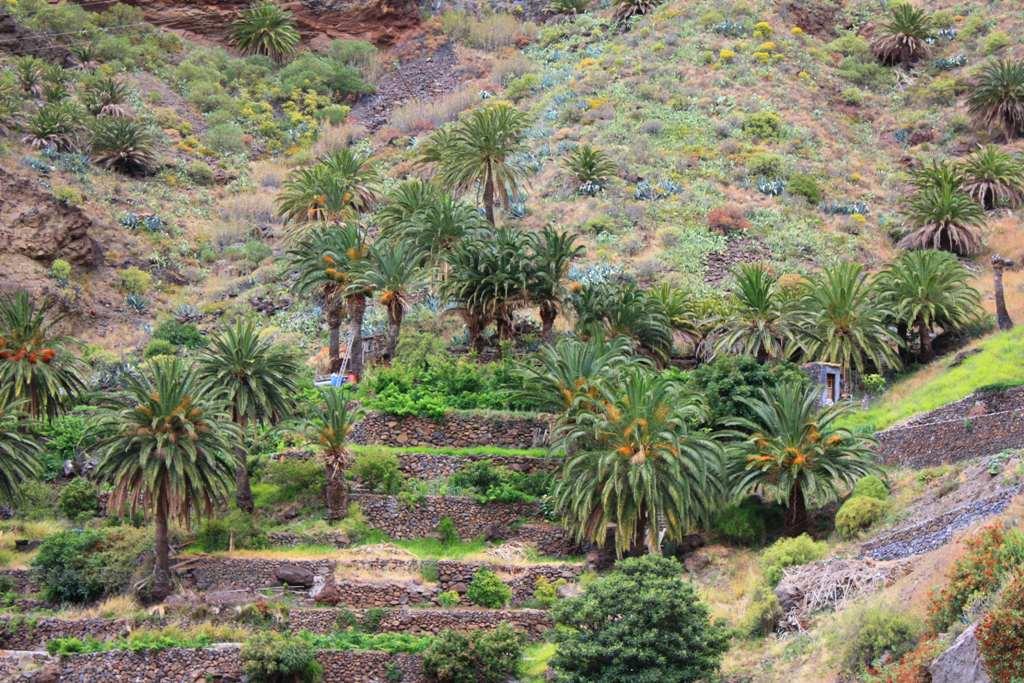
{"x": 33, "y": 357}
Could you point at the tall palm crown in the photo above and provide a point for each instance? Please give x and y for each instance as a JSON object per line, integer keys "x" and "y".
{"x": 794, "y": 449}
{"x": 337, "y": 188}
{"x": 997, "y": 98}
{"x": 392, "y": 271}
{"x": 942, "y": 216}
{"x": 620, "y": 308}
{"x": 925, "y": 289}
{"x": 842, "y": 323}
{"x": 18, "y": 452}
{"x": 169, "y": 448}
{"x": 480, "y": 151}
{"x": 551, "y": 252}
{"x": 903, "y": 39}
{"x": 332, "y": 431}
{"x": 438, "y": 225}
{"x": 36, "y": 364}
{"x": 403, "y": 202}
{"x": 265, "y": 29}
{"x": 644, "y": 466}
{"x": 761, "y": 324}
{"x": 993, "y": 178}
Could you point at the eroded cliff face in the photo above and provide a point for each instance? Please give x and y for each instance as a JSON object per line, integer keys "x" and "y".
{"x": 379, "y": 21}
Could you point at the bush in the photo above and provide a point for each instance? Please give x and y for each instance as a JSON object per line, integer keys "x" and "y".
{"x": 270, "y": 657}
{"x": 977, "y": 574}
{"x": 763, "y": 125}
{"x": 545, "y": 592}
{"x": 639, "y": 622}
{"x": 487, "y": 590}
{"x": 60, "y": 270}
{"x": 180, "y": 334}
{"x": 728, "y": 379}
{"x": 763, "y": 612}
{"x": 727, "y": 219}
{"x": 871, "y": 486}
{"x": 200, "y": 173}
{"x": 216, "y": 534}
{"x": 490, "y": 483}
{"x": 84, "y": 565}
{"x": 135, "y": 281}
{"x": 875, "y": 634}
{"x": 766, "y": 165}
{"x": 474, "y": 657}
{"x": 743, "y": 523}
{"x": 858, "y": 513}
{"x": 447, "y": 531}
{"x": 159, "y": 347}
{"x": 790, "y": 552}
{"x": 805, "y": 186}
{"x": 1001, "y": 633}
{"x": 294, "y": 479}
{"x": 225, "y": 138}
{"x": 379, "y": 471}
{"x": 79, "y": 499}
{"x": 448, "y": 599}
{"x": 64, "y": 436}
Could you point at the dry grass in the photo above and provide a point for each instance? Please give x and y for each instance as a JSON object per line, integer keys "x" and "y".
{"x": 334, "y": 138}
{"x": 510, "y": 65}
{"x": 421, "y": 115}
{"x": 250, "y": 208}
{"x": 489, "y": 32}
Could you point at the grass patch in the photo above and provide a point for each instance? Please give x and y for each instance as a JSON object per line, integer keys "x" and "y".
{"x": 495, "y": 451}
{"x": 534, "y": 663}
{"x": 435, "y": 549}
{"x": 1000, "y": 362}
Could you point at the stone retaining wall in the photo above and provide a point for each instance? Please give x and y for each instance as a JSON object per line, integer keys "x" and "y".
{"x": 549, "y": 539}
{"x": 21, "y": 580}
{"x": 472, "y": 519}
{"x": 220, "y": 573}
{"x": 951, "y": 440}
{"x": 33, "y": 634}
{"x": 423, "y": 621}
{"x": 179, "y": 665}
{"x": 454, "y": 430}
{"x": 429, "y": 466}
{"x": 522, "y": 579}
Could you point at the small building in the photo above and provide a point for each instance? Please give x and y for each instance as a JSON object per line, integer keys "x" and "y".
{"x": 829, "y": 377}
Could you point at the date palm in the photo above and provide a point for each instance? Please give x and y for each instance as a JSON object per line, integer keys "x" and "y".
{"x": 795, "y": 450}
{"x": 391, "y": 271}
{"x": 437, "y": 226}
{"x": 480, "y": 153}
{"x": 997, "y": 97}
{"x": 403, "y": 202}
{"x": 259, "y": 381}
{"x": 332, "y": 431}
{"x": 643, "y": 467}
{"x": 36, "y": 363}
{"x": 925, "y": 289}
{"x": 337, "y": 188}
{"x": 993, "y": 178}
{"x": 107, "y": 96}
{"x": 903, "y": 39}
{"x": 265, "y": 29}
{"x": 942, "y": 216}
{"x": 169, "y": 451}
{"x": 551, "y": 254}
{"x": 841, "y": 322}
{"x": 621, "y": 308}
{"x": 590, "y": 168}
{"x": 18, "y": 451}
{"x": 761, "y": 323}
{"x": 123, "y": 145}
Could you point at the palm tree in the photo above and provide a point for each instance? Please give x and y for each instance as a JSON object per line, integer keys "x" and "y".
{"x": 332, "y": 431}
{"x": 392, "y": 270}
{"x": 761, "y": 324}
{"x": 627, "y": 9}
{"x": 36, "y": 364}
{"x": 903, "y": 39}
{"x": 620, "y": 308}
{"x": 1000, "y": 263}
{"x": 18, "y": 452}
{"x": 925, "y": 289}
{"x": 942, "y": 216}
{"x": 169, "y": 449}
{"x": 329, "y": 259}
{"x": 337, "y": 188}
{"x": 258, "y": 378}
{"x": 438, "y": 226}
{"x": 688, "y": 317}
{"x": 480, "y": 154}
{"x": 646, "y": 469}
{"x": 551, "y": 254}
{"x": 590, "y": 168}
{"x": 124, "y": 145}
{"x": 993, "y": 178}
{"x": 997, "y": 97}
{"x": 842, "y": 322}
{"x": 794, "y": 449}
{"x": 403, "y": 202}
{"x": 265, "y": 29}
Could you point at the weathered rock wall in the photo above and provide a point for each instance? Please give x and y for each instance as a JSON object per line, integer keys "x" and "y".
{"x": 454, "y": 430}
{"x": 952, "y": 440}
{"x": 398, "y": 520}
{"x": 522, "y": 579}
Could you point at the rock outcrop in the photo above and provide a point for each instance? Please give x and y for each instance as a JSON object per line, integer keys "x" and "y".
{"x": 35, "y": 224}
{"x": 961, "y": 663}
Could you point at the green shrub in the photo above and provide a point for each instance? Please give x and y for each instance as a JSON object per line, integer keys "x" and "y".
{"x": 858, "y": 513}
{"x": 871, "y": 486}
{"x": 448, "y": 599}
{"x": 216, "y": 534}
{"x": 545, "y": 592}
{"x": 867, "y": 74}
{"x": 64, "y": 436}
{"x": 326, "y": 76}
{"x": 200, "y": 173}
{"x": 766, "y": 164}
{"x": 487, "y": 590}
{"x": 81, "y": 566}
{"x": 379, "y": 471}
{"x": 159, "y": 347}
{"x": 996, "y": 41}
{"x": 474, "y": 657}
{"x": 355, "y": 525}
{"x": 447, "y": 531}
{"x": 256, "y": 251}
{"x": 743, "y": 523}
{"x": 37, "y": 500}
{"x": 334, "y": 114}
{"x": 763, "y": 125}
{"x": 804, "y": 185}
{"x": 60, "y": 270}
{"x": 790, "y": 552}
{"x": 640, "y": 622}
{"x": 874, "y": 633}
{"x": 490, "y": 483}
{"x": 851, "y": 45}
{"x": 135, "y": 281}
{"x": 763, "y": 613}
{"x": 294, "y": 479}
{"x": 270, "y": 657}
{"x": 977, "y": 574}
{"x": 729, "y": 379}
{"x": 226, "y": 138}
{"x": 79, "y": 499}
{"x": 518, "y": 88}
{"x": 180, "y": 334}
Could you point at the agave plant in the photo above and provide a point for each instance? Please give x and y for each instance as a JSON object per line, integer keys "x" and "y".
{"x": 903, "y": 39}
{"x": 942, "y": 216}
{"x": 123, "y": 145}
{"x": 107, "y": 96}
{"x": 591, "y": 168}
{"x": 54, "y": 125}
{"x": 993, "y": 178}
{"x": 997, "y": 98}
{"x": 266, "y": 29}
{"x": 627, "y": 9}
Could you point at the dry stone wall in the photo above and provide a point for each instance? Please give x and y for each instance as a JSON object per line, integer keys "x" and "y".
{"x": 472, "y": 519}
{"x": 429, "y": 466}
{"x": 952, "y": 440}
{"x": 454, "y": 430}
{"x": 423, "y": 621}
{"x": 220, "y": 573}
{"x": 33, "y": 634}
{"x": 522, "y": 579}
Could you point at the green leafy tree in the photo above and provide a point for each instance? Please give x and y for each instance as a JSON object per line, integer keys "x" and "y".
{"x": 997, "y": 97}
{"x": 993, "y": 178}
{"x": 337, "y": 188}
{"x": 259, "y": 381}
{"x": 903, "y": 39}
{"x": 123, "y": 145}
{"x": 331, "y": 430}
{"x": 761, "y": 323}
{"x": 925, "y": 289}
{"x": 480, "y": 153}
{"x": 265, "y": 29}
{"x": 19, "y": 454}
{"x": 551, "y": 254}
{"x": 36, "y": 364}
{"x": 169, "y": 450}
{"x": 640, "y": 622}
{"x": 795, "y": 449}
{"x": 392, "y": 271}
{"x": 637, "y": 465}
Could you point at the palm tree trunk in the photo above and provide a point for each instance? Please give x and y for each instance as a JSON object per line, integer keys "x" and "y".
{"x": 396, "y": 313}
{"x": 337, "y": 494}
{"x": 1002, "y": 315}
{"x": 356, "y": 312}
{"x": 489, "y": 194}
{"x": 162, "y": 566}
{"x": 243, "y": 492}
{"x": 548, "y": 313}
{"x": 924, "y": 336}
{"x": 334, "y": 345}
{"x": 796, "y": 511}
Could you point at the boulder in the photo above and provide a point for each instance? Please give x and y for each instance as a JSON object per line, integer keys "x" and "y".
{"x": 961, "y": 663}
{"x": 325, "y": 590}
{"x": 294, "y": 575}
